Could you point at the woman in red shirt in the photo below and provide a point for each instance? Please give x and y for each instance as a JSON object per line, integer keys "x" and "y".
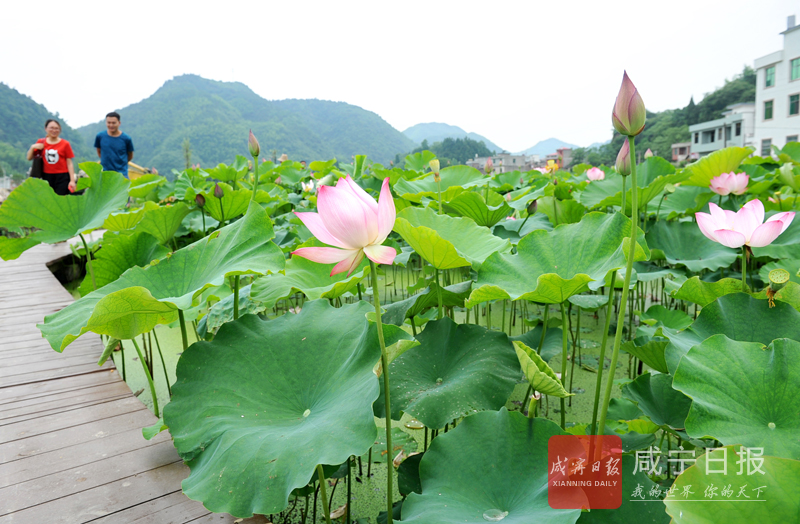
{"x": 57, "y": 154}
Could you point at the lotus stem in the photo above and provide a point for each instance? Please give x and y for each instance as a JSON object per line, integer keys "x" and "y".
{"x": 163, "y": 365}
{"x": 602, "y": 358}
{"x": 255, "y": 179}
{"x": 122, "y": 359}
{"x": 349, "y": 486}
{"x": 149, "y": 378}
{"x": 564, "y": 351}
{"x": 236, "y": 297}
{"x": 623, "y": 301}
{"x": 89, "y": 261}
{"x": 544, "y": 329}
{"x": 623, "y": 194}
{"x": 744, "y": 269}
{"x": 438, "y": 295}
{"x": 184, "y": 336}
{"x": 203, "y": 214}
{"x": 658, "y": 209}
{"x": 386, "y": 391}
{"x": 439, "y": 186}
{"x": 323, "y": 494}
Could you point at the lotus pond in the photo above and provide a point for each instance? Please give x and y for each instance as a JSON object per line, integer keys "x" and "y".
{"x": 276, "y": 316}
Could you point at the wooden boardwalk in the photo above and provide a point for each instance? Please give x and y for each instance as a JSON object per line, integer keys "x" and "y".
{"x": 71, "y": 446}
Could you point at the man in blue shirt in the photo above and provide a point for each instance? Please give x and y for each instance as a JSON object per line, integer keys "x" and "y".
{"x": 114, "y": 147}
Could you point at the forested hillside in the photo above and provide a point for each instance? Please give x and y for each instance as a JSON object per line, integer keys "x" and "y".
{"x": 216, "y": 116}
{"x": 21, "y": 124}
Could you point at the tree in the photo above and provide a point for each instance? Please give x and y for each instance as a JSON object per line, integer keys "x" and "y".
{"x": 187, "y": 152}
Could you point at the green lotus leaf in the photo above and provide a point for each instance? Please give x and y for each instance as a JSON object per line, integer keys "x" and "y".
{"x": 791, "y": 265}
{"x": 419, "y": 161}
{"x": 454, "y": 295}
{"x": 738, "y": 316}
{"x": 645, "y": 510}
{"x": 553, "y": 341}
{"x": 673, "y": 318}
{"x": 786, "y": 246}
{"x": 684, "y": 243}
{"x": 231, "y": 205}
{"x": 222, "y": 311}
{"x": 657, "y": 399}
{"x": 255, "y": 410}
{"x": 408, "y": 475}
{"x": 704, "y": 293}
{"x": 648, "y": 271}
{"x": 34, "y": 204}
{"x": 779, "y": 484}
{"x": 454, "y": 180}
{"x": 162, "y": 221}
{"x": 561, "y": 211}
{"x": 472, "y": 205}
{"x": 307, "y": 277}
{"x": 121, "y": 252}
{"x": 649, "y": 350}
{"x": 447, "y": 242}
{"x": 456, "y": 370}
{"x": 589, "y": 302}
{"x": 652, "y": 176}
{"x": 171, "y": 284}
{"x": 551, "y": 266}
{"x": 790, "y": 294}
{"x": 492, "y": 461}
{"x": 514, "y": 230}
{"x": 539, "y": 375}
{"x": 744, "y": 393}
{"x": 683, "y": 201}
{"x": 142, "y": 186}
{"x": 718, "y": 162}
{"x": 123, "y": 220}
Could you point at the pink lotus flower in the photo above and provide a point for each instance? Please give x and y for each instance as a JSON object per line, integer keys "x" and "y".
{"x": 745, "y": 227}
{"x": 489, "y": 167}
{"x": 595, "y": 174}
{"x": 728, "y": 183}
{"x": 351, "y": 220}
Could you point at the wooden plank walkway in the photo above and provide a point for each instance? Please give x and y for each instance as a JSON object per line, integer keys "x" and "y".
{"x": 71, "y": 447}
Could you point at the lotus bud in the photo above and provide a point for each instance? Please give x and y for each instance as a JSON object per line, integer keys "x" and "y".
{"x": 648, "y": 153}
{"x": 507, "y": 197}
{"x": 218, "y": 191}
{"x": 624, "y": 159}
{"x": 200, "y": 200}
{"x": 489, "y": 167}
{"x": 252, "y": 145}
{"x": 532, "y": 207}
{"x": 629, "y": 113}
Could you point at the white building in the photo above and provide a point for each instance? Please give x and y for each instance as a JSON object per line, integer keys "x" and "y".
{"x": 778, "y": 94}
{"x": 735, "y": 128}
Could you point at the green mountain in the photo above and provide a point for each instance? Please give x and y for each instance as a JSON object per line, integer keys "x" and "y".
{"x": 21, "y": 124}
{"x": 216, "y": 117}
{"x": 436, "y": 132}
{"x": 672, "y": 126}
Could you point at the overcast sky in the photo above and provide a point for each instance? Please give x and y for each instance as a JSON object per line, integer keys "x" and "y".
{"x": 516, "y": 72}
